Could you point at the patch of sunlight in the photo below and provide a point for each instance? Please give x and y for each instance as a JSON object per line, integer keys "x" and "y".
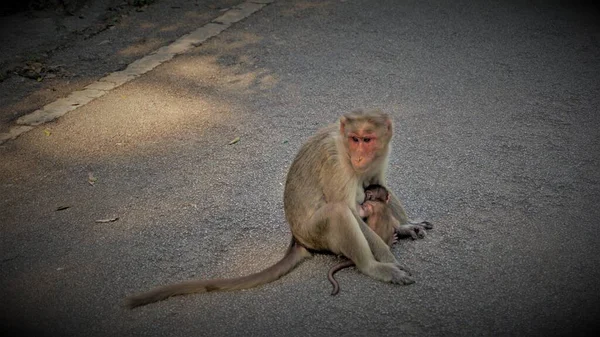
{"x": 250, "y": 256}
{"x": 129, "y": 119}
{"x": 141, "y": 47}
{"x": 169, "y": 28}
{"x": 238, "y": 74}
{"x": 147, "y": 25}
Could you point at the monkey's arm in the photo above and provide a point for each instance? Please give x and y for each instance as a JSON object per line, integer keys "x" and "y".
{"x": 397, "y": 208}
{"x": 378, "y": 247}
{"x": 413, "y": 228}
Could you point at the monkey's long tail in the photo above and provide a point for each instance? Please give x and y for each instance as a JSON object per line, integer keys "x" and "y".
{"x": 335, "y": 269}
{"x": 294, "y": 255}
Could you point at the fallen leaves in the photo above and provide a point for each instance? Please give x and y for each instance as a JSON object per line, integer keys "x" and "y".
{"x": 235, "y": 140}
{"x": 39, "y": 71}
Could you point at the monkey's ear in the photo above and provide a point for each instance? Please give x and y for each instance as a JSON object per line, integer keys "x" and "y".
{"x": 387, "y": 200}
{"x": 388, "y": 124}
{"x": 343, "y": 121}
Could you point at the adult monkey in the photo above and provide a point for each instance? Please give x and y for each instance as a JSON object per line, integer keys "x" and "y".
{"x": 324, "y": 185}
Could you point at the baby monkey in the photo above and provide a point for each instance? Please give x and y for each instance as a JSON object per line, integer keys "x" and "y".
{"x": 379, "y": 218}
{"x": 378, "y": 215}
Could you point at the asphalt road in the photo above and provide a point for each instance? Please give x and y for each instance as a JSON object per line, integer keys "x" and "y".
{"x": 497, "y": 142}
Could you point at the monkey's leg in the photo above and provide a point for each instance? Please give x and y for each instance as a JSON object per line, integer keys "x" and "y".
{"x": 378, "y": 247}
{"x": 413, "y": 228}
{"x": 382, "y": 253}
{"x": 344, "y": 235}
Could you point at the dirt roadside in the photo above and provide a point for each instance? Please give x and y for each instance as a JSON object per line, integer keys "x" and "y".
{"x": 49, "y": 52}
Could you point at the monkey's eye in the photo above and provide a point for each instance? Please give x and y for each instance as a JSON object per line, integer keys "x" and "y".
{"x": 366, "y": 139}
{"x": 355, "y": 139}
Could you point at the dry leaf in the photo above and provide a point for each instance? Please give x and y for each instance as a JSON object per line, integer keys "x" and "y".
{"x": 91, "y": 179}
{"x": 62, "y": 208}
{"x": 107, "y": 220}
{"x": 235, "y": 140}
{"x": 47, "y": 132}
{"x": 189, "y": 204}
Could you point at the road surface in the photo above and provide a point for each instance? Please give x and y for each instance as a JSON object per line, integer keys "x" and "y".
{"x": 496, "y": 140}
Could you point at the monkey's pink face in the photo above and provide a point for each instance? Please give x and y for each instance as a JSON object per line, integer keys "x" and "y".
{"x": 363, "y": 148}
{"x": 365, "y": 210}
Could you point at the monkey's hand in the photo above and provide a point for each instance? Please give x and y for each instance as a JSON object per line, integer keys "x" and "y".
{"x": 415, "y": 229}
{"x": 394, "y": 238}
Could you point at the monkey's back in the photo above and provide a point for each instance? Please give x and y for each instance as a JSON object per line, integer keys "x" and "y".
{"x": 308, "y": 179}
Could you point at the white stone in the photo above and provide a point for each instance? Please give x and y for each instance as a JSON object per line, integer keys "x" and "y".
{"x": 145, "y": 64}
{"x": 238, "y": 13}
{"x": 164, "y": 53}
{"x": 180, "y": 46}
{"x": 106, "y": 86}
{"x": 204, "y": 33}
{"x": 118, "y": 78}
{"x": 83, "y": 95}
{"x": 249, "y": 7}
{"x": 48, "y": 113}
{"x": 14, "y": 132}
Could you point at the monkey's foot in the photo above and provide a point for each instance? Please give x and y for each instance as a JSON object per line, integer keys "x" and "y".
{"x": 416, "y": 230}
{"x": 420, "y": 222}
{"x": 401, "y": 277}
{"x": 387, "y": 272}
{"x": 404, "y": 269}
